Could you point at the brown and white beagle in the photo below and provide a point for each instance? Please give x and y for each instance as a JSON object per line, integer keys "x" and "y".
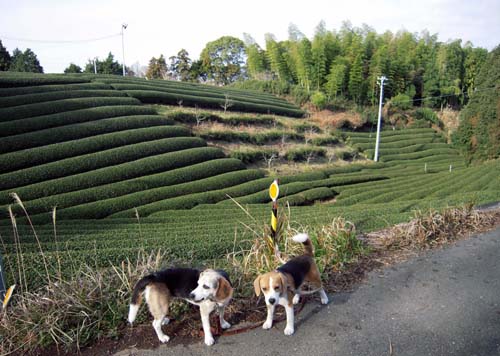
{"x": 282, "y": 286}
{"x": 209, "y": 290}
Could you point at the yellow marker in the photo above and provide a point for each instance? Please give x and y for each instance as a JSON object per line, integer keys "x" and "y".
{"x": 274, "y": 190}
{"x": 8, "y": 295}
{"x": 274, "y": 222}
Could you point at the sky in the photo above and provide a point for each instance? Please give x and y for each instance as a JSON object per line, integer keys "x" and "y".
{"x": 165, "y": 27}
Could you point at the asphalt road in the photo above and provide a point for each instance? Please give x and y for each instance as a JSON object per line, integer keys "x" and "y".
{"x": 445, "y": 302}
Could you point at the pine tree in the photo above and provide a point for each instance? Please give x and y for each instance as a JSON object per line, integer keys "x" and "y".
{"x": 5, "y": 59}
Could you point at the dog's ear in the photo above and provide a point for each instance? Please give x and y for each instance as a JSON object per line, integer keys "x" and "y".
{"x": 256, "y": 285}
{"x": 223, "y": 290}
{"x": 286, "y": 282}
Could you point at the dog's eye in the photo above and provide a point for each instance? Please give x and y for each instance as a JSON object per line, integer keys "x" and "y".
{"x": 205, "y": 286}
{"x": 264, "y": 289}
{"x": 277, "y": 287}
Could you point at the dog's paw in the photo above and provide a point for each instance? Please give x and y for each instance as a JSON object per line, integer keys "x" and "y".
{"x": 165, "y": 321}
{"x": 296, "y": 299}
{"x": 225, "y": 325}
{"x": 289, "y": 330}
{"x": 164, "y": 338}
{"x": 324, "y": 300}
{"x": 267, "y": 325}
{"x": 209, "y": 340}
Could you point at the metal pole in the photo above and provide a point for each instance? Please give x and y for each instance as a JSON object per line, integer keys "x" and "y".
{"x": 95, "y": 65}
{"x": 382, "y": 79}
{"x": 124, "y": 26}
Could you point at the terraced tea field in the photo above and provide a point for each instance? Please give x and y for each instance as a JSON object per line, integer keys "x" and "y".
{"x": 126, "y": 176}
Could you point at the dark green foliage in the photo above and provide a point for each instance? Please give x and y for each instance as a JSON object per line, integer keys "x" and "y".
{"x": 309, "y": 196}
{"x": 478, "y": 135}
{"x": 96, "y": 160}
{"x": 25, "y": 99}
{"x": 161, "y": 97}
{"x": 255, "y": 138}
{"x": 51, "y": 87}
{"x": 73, "y": 68}
{"x": 254, "y": 155}
{"x": 53, "y": 107}
{"x": 49, "y": 153}
{"x": 86, "y": 129}
{"x": 172, "y": 177}
{"x": 26, "y": 61}
{"x": 324, "y": 140}
{"x": 5, "y": 58}
{"x": 304, "y": 153}
{"x": 103, "y": 208}
{"x": 12, "y": 79}
{"x": 117, "y": 173}
{"x": 429, "y": 115}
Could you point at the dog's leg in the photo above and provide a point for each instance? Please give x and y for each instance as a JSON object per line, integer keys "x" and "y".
{"x": 224, "y": 324}
{"x": 205, "y": 310}
{"x": 270, "y": 315}
{"x": 157, "y": 326}
{"x": 165, "y": 320}
{"x": 296, "y": 298}
{"x": 289, "y": 329}
{"x": 323, "y": 296}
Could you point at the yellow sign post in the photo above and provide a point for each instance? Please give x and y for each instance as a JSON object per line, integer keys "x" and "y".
{"x": 274, "y": 191}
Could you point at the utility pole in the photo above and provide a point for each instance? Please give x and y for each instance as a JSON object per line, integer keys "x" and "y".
{"x": 124, "y": 26}
{"x": 95, "y": 65}
{"x": 381, "y": 79}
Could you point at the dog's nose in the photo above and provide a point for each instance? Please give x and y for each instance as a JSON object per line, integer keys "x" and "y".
{"x": 191, "y": 295}
{"x": 271, "y": 300}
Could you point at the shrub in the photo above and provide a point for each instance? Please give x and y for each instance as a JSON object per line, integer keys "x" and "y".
{"x": 175, "y": 176}
{"x": 26, "y": 99}
{"x": 103, "y": 208}
{"x": 248, "y": 156}
{"x": 77, "y": 131}
{"x": 318, "y": 99}
{"x": 48, "y": 88}
{"x": 96, "y": 160}
{"x": 56, "y": 106}
{"x": 13, "y": 161}
{"x": 324, "y": 140}
{"x": 124, "y": 171}
{"x": 401, "y": 102}
{"x": 304, "y": 153}
{"x": 427, "y": 114}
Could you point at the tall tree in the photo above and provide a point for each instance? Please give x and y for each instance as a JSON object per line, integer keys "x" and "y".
{"x": 108, "y": 66}
{"x": 4, "y": 58}
{"x": 25, "y": 62}
{"x": 180, "y": 66}
{"x": 319, "y": 57}
{"x": 73, "y": 68}
{"x": 277, "y": 62}
{"x": 256, "y": 59}
{"x": 157, "y": 68}
{"x": 223, "y": 60}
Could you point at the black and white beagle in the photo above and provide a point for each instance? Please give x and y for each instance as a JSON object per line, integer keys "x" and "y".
{"x": 209, "y": 290}
{"x": 282, "y": 286}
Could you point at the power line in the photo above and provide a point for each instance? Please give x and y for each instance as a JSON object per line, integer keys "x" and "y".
{"x": 62, "y": 42}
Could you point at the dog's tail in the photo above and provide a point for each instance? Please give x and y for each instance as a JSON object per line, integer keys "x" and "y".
{"x": 135, "y": 303}
{"x": 306, "y": 241}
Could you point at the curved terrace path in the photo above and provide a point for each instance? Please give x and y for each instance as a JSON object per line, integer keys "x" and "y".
{"x": 443, "y": 302}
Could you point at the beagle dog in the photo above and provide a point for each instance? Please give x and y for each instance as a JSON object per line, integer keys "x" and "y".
{"x": 282, "y": 286}
{"x": 210, "y": 289}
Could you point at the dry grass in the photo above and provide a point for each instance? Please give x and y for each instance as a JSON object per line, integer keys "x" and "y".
{"x": 431, "y": 229}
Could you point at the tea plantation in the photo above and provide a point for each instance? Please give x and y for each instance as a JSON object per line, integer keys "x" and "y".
{"x": 125, "y": 178}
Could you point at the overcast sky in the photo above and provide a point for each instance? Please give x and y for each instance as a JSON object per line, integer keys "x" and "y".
{"x": 164, "y": 27}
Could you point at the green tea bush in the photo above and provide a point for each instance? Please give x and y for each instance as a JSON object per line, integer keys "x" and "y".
{"x": 56, "y": 106}
{"x": 96, "y": 160}
{"x": 304, "y": 153}
{"x": 171, "y": 177}
{"x": 427, "y": 114}
{"x": 78, "y": 131}
{"x": 103, "y": 208}
{"x": 13, "y": 161}
{"x": 26, "y": 99}
{"x": 120, "y": 172}
{"x": 4, "y": 92}
{"x": 249, "y": 156}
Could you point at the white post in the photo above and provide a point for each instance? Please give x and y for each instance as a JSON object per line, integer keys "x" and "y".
{"x": 124, "y": 26}
{"x": 95, "y": 65}
{"x": 381, "y": 79}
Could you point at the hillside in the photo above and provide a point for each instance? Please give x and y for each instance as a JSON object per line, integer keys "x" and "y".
{"x": 478, "y": 134}
{"x": 128, "y": 173}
